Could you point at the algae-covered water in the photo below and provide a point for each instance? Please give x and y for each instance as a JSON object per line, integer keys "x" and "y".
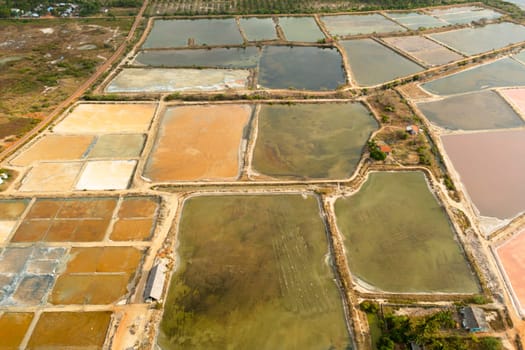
{"x": 310, "y": 68}
{"x": 253, "y": 274}
{"x": 311, "y": 140}
{"x": 399, "y": 239}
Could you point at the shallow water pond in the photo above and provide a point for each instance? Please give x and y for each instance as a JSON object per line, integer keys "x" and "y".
{"x": 398, "y": 238}
{"x": 258, "y": 279}
{"x": 309, "y": 68}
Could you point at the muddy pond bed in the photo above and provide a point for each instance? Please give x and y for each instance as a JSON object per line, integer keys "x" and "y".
{"x": 260, "y": 279}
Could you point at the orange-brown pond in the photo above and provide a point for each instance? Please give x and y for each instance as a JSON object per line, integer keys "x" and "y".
{"x": 13, "y": 327}
{"x": 70, "y": 330}
{"x": 198, "y": 143}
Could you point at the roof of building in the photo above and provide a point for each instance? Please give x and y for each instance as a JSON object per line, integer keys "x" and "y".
{"x": 385, "y": 148}
{"x": 155, "y": 282}
{"x": 474, "y": 318}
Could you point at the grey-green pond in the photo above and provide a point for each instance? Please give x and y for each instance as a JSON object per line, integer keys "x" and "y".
{"x": 372, "y": 63}
{"x": 399, "y": 239}
{"x": 414, "y": 20}
{"x": 177, "y": 33}
{"x": 464, "y": 14}
{"x": 253, "y": 274}
{"x": 475, "y": 111}
{"x": 301, "y": 29}
{"x": 219, "y": 57}
{"x": 504, "y": 72}
{"x": 309, "y": 68}
{"x": 311, "y": 140}
{"x": 342, "y": 25}
{"x": 471, "y": 41}
{"x": 257, "y": 29}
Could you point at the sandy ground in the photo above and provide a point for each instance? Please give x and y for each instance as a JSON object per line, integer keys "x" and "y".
{"x": 54, "y": 177}
{"x": 106, "y": 175}
{"x": 107, "y": 118}
{"x": 54, "y": 147}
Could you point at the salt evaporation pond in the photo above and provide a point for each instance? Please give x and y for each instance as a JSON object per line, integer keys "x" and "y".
{"x": 491, "y": 168}
{"x": 424, "y": 49}
{"x": 311, "y": 140}
{"x": 464, "y": 14}
{"x": 504, "y": 72}
{"x": 471, "y": 41}
{"x": 343, "y": 25}
{"x": 301, "y": 29}
{"x": 372, "y": 63}
{"x": 415, "y": 20}
{"x": 199, "y": 142}
{"x": 399, "y": 239}
{"x": 475, "y": 111}
{"x": 257, "y": 29}
{"x": 253, "y": 273}
{"x": 171, "y": 80}
{"x": 309, "y": 68}
{"x": 178, "y": 32}
{"x": 219, "y": 57}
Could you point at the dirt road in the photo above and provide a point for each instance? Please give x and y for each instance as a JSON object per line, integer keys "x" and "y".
{"x": 81, "y": 89}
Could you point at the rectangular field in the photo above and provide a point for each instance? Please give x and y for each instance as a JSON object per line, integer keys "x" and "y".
{"x": 155, "y": 80}
{"x": 488, "y": 167}
{"x": 301, "y": 29}
{"x": 504, "y": 72}
{"x": 54, "y": 147}
{"x": 253, "y": 274}
{"x": 416, "y": 20}
{"x": 343, "y": 25}
{"x": 372, "y": 63}
{"x": 424, "y": 49}
{"x": 106, "y": 175}
{"x": 304, "y": 68}
{"x": 471, "y": 41}
{"x": 51, "y": 177}
{"x": 516, "y": 97}
{"x": 182, "y": 32}
{"x": 474, "y": 111}
{"x": 198, "y": 143}
{"x": 399, "y": 239}
{"x": 116, "y": 118}
{"x": 305, "y": 141}
{"x": 511, "y": 259}
{"x": 464, "y": 14}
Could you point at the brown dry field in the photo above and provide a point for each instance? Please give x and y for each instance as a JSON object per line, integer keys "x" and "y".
{"x": 132, "y": 230}
{"x": 198, "y": 143}
{"x": 54, "y": 147}
{"x": 82, "y": 230}
{"x": 13, "y": 327}
{"x": 89, "y": 289}
{"x": 71, "y": 208}
{"x": 46, "y": 177}
{"x": 70, "y": 330}
{"x": 107, "y": 118}
{"x": 138, "y": 208}
{"x": 12, "y": 209}
{"x": 104, "y": 259}
{"x": 513, "y": 261}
